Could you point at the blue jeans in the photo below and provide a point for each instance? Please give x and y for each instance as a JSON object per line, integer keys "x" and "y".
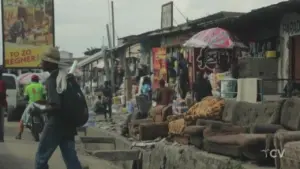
{"x": 51, "y": 138}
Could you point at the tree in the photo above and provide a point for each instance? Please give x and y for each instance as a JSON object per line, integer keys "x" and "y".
{"x": 91, "y": 51}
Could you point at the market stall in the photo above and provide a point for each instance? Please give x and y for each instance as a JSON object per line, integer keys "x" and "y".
{"x": 216, "y": 53}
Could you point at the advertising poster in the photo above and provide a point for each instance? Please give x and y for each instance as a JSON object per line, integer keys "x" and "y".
{"x": 28, "y": 31}
{"x": 159, "y": 56}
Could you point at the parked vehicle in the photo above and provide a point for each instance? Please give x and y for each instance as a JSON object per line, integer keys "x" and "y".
{"x": 16, "y": 105}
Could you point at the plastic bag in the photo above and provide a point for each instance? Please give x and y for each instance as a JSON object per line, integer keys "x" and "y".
{"x": 130, "y": 107}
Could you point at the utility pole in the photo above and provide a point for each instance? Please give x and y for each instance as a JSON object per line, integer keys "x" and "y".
{"x": 107, "y": 70}
{"x": 113, "y": 48}
{"x": 113, "y": 24}
{"x": 103, "y": 41}
{"x": 108, "y": 36}
{"x": 128, "y": 81}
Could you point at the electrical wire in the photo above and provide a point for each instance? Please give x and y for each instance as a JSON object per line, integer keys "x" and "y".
{"x": 175, "y": 21}
{"x": 185, "y": 18}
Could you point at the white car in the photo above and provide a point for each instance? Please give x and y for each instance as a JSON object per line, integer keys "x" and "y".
{"x": 14, "y": 109}
{"x": 12, "y": 88}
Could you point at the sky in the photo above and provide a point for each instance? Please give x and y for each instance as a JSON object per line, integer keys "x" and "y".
{"x": 80, "y": 24}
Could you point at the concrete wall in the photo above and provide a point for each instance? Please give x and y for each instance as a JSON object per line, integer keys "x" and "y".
{"x": 121, "y": 143}
{"x": 265, "y": 68}
{"x": 167, "y": 155}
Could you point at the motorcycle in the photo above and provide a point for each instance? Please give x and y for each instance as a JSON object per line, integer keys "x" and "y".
{"x": 38, "y": 120}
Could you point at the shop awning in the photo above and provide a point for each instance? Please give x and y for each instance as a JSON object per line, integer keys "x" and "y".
{"x": 100, "y": 64}
{"x": 133, "y": 51}
{"x": 93, "y": 58}
{"x": 214, "y": 38}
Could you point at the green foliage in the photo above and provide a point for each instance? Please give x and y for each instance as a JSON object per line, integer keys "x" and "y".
{"x": 91, "y": 51}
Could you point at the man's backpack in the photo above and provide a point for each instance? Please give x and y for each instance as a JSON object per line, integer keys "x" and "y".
{"x": 74, "y": 104}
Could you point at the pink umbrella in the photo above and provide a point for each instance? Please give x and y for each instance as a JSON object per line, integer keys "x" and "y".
{"x": 214, "y": 38}
{"x": 26, "y": 77}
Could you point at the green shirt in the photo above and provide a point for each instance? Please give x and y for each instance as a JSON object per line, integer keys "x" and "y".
{"x": 35, "y": 92}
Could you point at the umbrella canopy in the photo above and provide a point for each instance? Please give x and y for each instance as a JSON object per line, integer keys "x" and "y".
{"x": 26, "y": 77}
{"x": 214, "y": 38}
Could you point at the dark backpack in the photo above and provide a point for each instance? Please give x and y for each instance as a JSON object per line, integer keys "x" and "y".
{"x": 74, "y": 105}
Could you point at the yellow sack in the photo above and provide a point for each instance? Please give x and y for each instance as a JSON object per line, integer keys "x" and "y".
{"x": 209, "y": 107}
{"x": 177, "y": 126}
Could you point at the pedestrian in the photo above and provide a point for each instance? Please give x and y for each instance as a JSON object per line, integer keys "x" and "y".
{"x": 3, "y": 104}
{"x": 33, "y": 92}
{"x": 57, "y": 130}
{"x": 183, "y": 76}
{"x": 202, "y": 87}
{"x": 107, "y": 100}
{"x": 98, "y": 106}
{"x": 146, "y": 89}
{"x": 165, "y": 94}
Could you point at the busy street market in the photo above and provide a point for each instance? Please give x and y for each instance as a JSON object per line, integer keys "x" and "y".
{"x": 217, "y": 92}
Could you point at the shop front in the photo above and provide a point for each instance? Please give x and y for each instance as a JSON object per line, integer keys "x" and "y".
{"x": 132, "y": 55}
{"x": 289, "y": 62}
{"x": 213, "y": 53}
{"x": 177, "y": 58}
{"x": 137, "y": 65}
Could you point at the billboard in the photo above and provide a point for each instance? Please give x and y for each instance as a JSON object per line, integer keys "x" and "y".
{"x": 167, "y": 15}
{"x": 27, "y": 31}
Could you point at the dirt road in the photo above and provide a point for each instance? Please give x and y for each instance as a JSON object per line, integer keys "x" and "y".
{"x": 19, "y": 154}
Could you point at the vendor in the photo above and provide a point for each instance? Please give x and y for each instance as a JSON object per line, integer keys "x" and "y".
{"x": 202, "y": 87}
{"x": 165, "y": 94}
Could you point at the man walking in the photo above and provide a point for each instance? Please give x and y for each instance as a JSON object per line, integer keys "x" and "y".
{"x": 107, "y": 100}
{"x": 57, "y": 131}
{"x": 3, "y": 105}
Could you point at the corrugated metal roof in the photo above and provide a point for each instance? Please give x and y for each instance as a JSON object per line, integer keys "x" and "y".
{"x": 93, "y": 58}
{"x": 218, "y": 18}
{"x": 218, "y": 15}
{"x": 131, "y": 39}
{"x": 278, "y": 8}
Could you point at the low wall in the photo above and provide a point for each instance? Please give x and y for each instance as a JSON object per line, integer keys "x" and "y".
{"x": 167, "y": 155}
{"x": 122, "y": 143}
